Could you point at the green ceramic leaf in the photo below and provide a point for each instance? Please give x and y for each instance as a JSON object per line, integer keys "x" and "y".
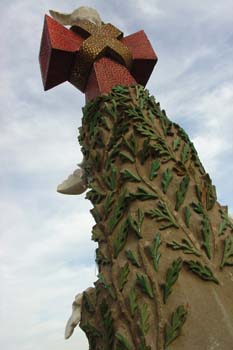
{"x": 145, "y": 151}
{"x": 144, "y": 316}
{"x": 136, "y": 223}
{"x": 93, "y": 125}
{"x": 198, "y": 193}
{"x": 144, "y": 283}
{"x": 143, "y": 346}
{"x": 151, "y": 115}
{"x": 106, "y": 285}
{"x": 117, "y": 212}
{"x": 95, "y": 195}
{"x": 97, "y": 234}
{"x": 120, "y": 239}
{"x": 142, "y": 194}
{"x": 132, "y": 302}
{"x": 111, "y": 110}
{"x": 106, "y": 123}
{"x": 185, "y": 153}
{"x": 108, "y": 204}
{"x": 187, "y": 216}
{"x": 171, "y": 278}
{"x": 96, "y": 215}
{"x": 202, "y": 271}
{"x": 138, "y": 90}
{"x": 155, "y": 165}
{"x": 123, "y": 276}
{"x": 142, "y": 102}
{"x": 98, "y": 139}
{"x": 173, "y": 329}
{"x": 206, "y": 232}
{"x": 107, "y": 322}
{"x": 101, "y": 259}
{"x": 176, "y": 144}
{"x": 122, "y": 342}
{"x": 133, "y": 112}
{"x": 112, "y": 156}
{"x": 133, "y": 258}
{"x": 154, "y": 251}
{"x": 91, "y": 330}
{"x": 130, "y": 144}
{"x": 129, "y": 175}
{"x": 180, "y": 194}
{"x": 120, "y": 89}
{"x": 227, "y": 259}
{"x": 165, "y": 123}
{"x": 197, "y": 207}
{"x": 126, "y": 157}
{"x": 146, "y": 130}
{"x": 185, "y": 246}
{"x": 211, "y": 195}
{"x": 162, "y": 213}
{"x": 120, "y": 129}
{"x": 166, "y": 179}
{"x": 110, "y": 178}
{"x": 90, "y": 108}
{"x": 222, "y": 227}
{"x": 162, "y": 149}
{"x": 182, "y": 133}
{"x": 87, "y": 303}
{"x": 226, "y": 222}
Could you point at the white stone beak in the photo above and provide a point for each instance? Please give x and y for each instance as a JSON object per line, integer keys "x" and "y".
{"x": 74, "y": 184}
{"x": 75, "y": 317}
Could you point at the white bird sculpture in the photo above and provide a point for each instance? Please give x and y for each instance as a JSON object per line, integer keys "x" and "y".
{"x": 72, "y": 19}
{"x": 75, "y": 316}
{"x": 74, "y": 184}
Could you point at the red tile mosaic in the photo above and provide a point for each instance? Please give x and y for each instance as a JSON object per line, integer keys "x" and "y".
{"x": 105, "y": 74}
{"x": 59, "y": 55}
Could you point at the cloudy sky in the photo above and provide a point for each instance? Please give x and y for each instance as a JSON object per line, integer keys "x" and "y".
{"x": 46, "y": 254}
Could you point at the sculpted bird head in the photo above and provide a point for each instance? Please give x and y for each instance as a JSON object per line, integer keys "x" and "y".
{"x": 72, "y": 19}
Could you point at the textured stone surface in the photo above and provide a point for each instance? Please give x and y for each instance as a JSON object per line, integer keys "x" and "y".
{"x": 165, "y": 245}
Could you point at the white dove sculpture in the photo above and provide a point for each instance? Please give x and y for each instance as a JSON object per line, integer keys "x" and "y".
{"x": 75, "y": 316}
{"x": 81, "y": 13}
{"x": 74, "y": 184}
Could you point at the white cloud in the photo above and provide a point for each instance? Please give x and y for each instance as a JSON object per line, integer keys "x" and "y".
{"x": 148, "y": 8}
{"x": 44, "y": 264}
{"x": 53, "y": 145}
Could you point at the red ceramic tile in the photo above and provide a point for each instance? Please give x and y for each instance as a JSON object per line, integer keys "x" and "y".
{"x": 59, "y": 48}
{"x": 62, "y": 38}
{"x": 144, "y": 57}
{"x": 105, "y": 74}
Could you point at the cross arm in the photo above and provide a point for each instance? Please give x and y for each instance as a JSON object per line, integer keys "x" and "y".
{"x": 121, "y": 60}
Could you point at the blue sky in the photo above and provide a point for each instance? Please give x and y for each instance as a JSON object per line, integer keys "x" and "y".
{"x": 46, "y": 254}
